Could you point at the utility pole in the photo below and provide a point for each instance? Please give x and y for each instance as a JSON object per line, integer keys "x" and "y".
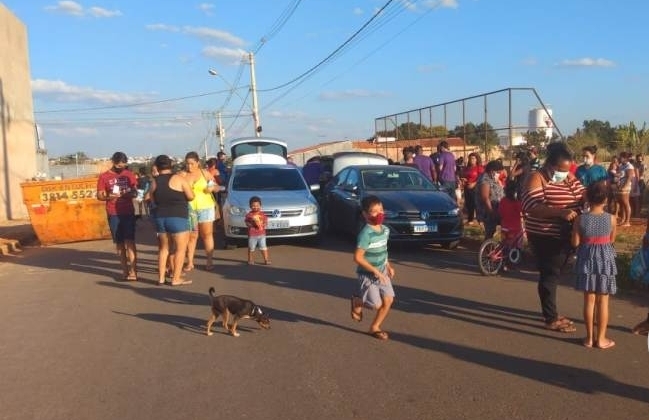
{"x": 253, "y": 89}
{"x": 221, "y": 132}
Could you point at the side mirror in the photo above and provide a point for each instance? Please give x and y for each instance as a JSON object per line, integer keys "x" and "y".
{"x": 351, "y": 188}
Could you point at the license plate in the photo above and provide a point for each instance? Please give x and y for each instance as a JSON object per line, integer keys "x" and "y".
{"x": 278, "y": 224}
{"x": 422, "y": 228}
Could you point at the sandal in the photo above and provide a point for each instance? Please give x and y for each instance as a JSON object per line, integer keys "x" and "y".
{"x": 358, "y": 317}
{"x": 188, "y": 268}
{"x": 379, "y": 335}
{"x": 131, "y": 277}
{"x": 561, "y": 326}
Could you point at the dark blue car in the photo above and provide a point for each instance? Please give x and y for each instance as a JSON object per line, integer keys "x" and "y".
{"x": 415, "y": 209}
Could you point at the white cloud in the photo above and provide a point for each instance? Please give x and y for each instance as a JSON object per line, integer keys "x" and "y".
{"x": 60, "y": 91}
{"x": 74, "y": 131}
{"x": 162, "y": 27}
{"x": 73, "y": 8}
{"x": 587, "y": 62}
{"x": 288, "y": 115}
{"x": 414, "y": 6}
{"x": 349, "y": 94}
{"x": 207, "y": 8}
{"x": 429, "y": 68}
{"x": 214, "y": 34}
{"x": 101, "y": 12}
{"x": 201, "y": 32}
{"x": 232, "y": 55}
{"x": 357, "y": 11}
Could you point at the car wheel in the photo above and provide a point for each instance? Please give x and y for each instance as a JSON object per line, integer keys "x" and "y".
{"x": 450, "y": 245}
{"x": 230, "y": 243}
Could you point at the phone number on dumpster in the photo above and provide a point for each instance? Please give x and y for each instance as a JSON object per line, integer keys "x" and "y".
{"x": 71, "y": 191}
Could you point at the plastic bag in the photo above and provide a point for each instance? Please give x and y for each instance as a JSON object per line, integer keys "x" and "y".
{"x": 638, "y": 270}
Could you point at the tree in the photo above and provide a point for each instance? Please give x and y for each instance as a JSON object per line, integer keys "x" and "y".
{"x": 631, "y": 139}
{"x": 602, "y": 132}
{"x": 479, "y": 135}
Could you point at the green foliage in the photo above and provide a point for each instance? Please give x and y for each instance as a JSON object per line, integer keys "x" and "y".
{"x": 73, "y": 158}
{"x": 479, "y": 135}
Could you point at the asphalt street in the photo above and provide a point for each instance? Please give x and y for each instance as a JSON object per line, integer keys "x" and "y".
{"x": 78, "y": 343}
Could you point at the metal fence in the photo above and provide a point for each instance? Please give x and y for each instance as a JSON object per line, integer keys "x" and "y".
{"x": 499, "y": 111}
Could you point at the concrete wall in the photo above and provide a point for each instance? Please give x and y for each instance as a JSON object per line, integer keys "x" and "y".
{"x": 17, "y": 129}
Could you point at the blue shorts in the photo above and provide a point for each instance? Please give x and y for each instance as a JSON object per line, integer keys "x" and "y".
{"x": 171, "y": 224}
{"x": 201, "y": 216}
{"x": 372, "y": 290}
{"x": 122, "y": 228}
{"x": 255, "y": 242}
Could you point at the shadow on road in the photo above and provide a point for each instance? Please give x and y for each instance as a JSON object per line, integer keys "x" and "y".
{"x": 572, "y": 378}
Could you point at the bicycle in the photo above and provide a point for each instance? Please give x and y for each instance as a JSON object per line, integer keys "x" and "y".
{"x": 494, "y": 255}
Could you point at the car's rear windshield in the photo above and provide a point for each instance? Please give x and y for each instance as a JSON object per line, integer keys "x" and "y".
{"x": 268, "y": 179}
{"x": 395, "y": 179}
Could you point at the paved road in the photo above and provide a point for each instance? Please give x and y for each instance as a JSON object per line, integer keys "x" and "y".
{"x": 78, "y": 344}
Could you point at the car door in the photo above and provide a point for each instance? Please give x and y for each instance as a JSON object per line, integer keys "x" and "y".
{"x": 335, "y": 200}
{"x": 350, "y": 203}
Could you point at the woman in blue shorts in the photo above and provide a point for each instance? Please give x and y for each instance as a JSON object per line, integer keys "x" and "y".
{"x": 170, "y": 193}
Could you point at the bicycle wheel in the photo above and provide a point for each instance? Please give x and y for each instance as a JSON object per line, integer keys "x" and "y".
{"x": 490, "y": 257}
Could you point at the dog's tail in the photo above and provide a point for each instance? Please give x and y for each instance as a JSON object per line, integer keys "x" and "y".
{"x": 211, "y": 291}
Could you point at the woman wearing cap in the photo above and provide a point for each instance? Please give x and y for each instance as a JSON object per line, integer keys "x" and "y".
{"x": 552, "y": 199}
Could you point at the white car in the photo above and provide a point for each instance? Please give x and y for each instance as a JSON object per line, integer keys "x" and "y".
{"x": 286, "y": 199}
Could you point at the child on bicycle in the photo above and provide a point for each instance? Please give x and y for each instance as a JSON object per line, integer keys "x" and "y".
{"x": 509, "y": 210}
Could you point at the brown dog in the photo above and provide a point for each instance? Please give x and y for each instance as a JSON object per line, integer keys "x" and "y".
{"x": 226, "y": 306}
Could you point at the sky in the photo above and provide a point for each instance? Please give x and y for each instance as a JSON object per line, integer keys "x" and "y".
{"x": 135, "y": 76}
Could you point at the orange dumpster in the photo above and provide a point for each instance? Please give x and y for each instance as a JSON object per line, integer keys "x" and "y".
{"x": 65, "y": 211}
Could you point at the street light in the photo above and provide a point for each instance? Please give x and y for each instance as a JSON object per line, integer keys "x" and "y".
{"x": 253, "y": 90}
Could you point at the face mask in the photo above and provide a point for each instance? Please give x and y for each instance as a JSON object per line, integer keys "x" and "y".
{"x": 588, "y": 161}
{"x": 376, "y": 220}
{"x": 559, "y": 176}
{"x": 117, "y": 170}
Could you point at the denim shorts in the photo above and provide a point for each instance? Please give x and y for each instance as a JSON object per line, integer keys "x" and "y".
{"x": 201, "y": 216}
{"x": 255, "y": 242}
{"x": 372, "y": 290}
{"x": 171, "y": 224}
{"x": 122, "y": 227}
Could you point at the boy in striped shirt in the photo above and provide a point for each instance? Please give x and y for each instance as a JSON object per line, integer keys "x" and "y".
{"x": 374, "y": 271}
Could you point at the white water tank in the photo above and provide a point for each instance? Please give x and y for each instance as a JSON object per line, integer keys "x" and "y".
{"x": 539, "y": 120}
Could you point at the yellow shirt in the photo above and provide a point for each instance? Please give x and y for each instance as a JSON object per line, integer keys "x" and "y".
{"x": 202, "y": 200}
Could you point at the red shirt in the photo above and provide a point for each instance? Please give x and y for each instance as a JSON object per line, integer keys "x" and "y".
{"x": 510, "y": 216}
{"x": 126, "y": 183}
{"x": 256, "y": 222}
{"x": 471, "y": 173}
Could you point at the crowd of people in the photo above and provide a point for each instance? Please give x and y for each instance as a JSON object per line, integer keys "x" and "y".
{"x": 560, "y": 204}
{"x": 564, "y": 207}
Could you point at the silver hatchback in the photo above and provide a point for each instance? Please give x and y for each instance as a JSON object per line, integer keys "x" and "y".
{"x": 286, "y": 199}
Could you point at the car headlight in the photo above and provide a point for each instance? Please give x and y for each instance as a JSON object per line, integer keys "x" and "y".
{"x": 237, "y": 211}
{"x": 454, "y": 212}
{"x": 310, "y": 209}
{"x": 389, "y": 214}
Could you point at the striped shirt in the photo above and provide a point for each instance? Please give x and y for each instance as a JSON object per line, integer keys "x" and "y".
{"x": 565, "y": 195}
{"x": 375, "y": 245}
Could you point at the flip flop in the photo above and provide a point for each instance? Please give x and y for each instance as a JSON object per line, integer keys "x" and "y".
{"x": 188, "y": 268}
{"x": 379, "y": 335}
{"x": 355, "y": 316}
{"x": 182, "y": 283}
{"x": 131, "y": 277}
{"x": 608, "y": 345}
{"x": 562, "y": 327}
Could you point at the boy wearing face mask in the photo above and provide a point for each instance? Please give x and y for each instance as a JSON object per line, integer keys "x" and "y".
{"x": 552, "y": 198}
{"x": 374, "y": 271}
{"x": 117, "y": 187}
{"x": 589, "y": 172}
